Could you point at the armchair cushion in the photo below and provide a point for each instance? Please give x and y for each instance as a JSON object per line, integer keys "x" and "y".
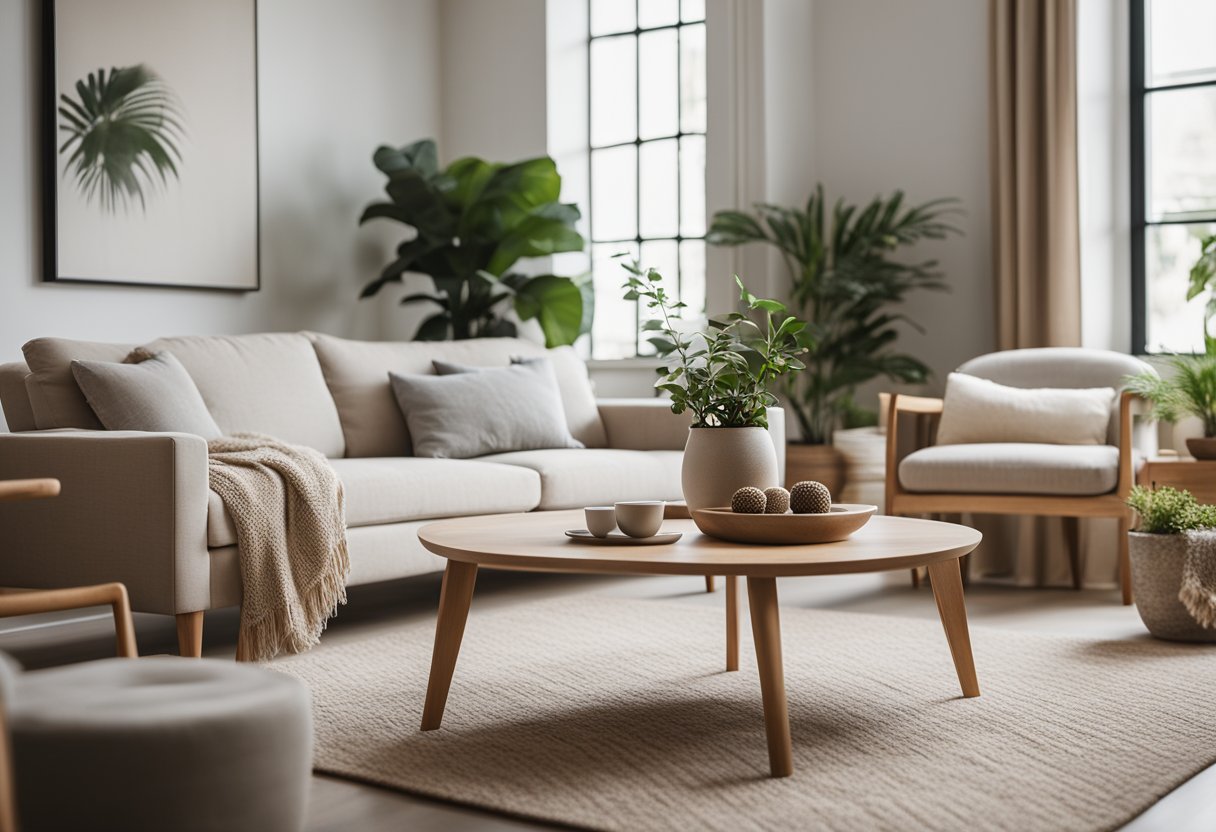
{"x": 1012, "y": 468}
{"x": 979, "y": 410}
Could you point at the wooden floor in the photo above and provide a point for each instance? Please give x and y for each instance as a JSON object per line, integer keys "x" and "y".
{"x": 342, "y": 805}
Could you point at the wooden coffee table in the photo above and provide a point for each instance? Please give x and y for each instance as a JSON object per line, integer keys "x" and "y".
{"x": 535, "y": 542}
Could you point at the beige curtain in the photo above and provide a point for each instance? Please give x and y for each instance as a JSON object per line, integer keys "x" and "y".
{"x": 1036, "y": 255}
{"x": 1033, "y": 116}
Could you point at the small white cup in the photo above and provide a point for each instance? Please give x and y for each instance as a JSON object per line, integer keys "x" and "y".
{"x": 640, "y": 518}
{"x": 600, "y": 519}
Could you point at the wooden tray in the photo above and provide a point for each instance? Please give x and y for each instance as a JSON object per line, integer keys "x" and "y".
{"x": 784, "y": 529}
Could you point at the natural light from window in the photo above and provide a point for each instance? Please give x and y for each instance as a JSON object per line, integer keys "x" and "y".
{"x": 1179, "y": 101}
{"x": 647, "y": 157}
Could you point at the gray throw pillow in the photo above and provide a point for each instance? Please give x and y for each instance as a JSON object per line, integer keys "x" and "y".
{"x": 516, "y": 408}
{"x": 156, "y": 394}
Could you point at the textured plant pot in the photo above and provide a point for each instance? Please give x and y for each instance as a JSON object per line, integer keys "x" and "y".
{"x": 1156, "y": 578}
{"x": 720, "y": 461}
{"x": 1202, "y": 447}
{"x": 822, "y": 463}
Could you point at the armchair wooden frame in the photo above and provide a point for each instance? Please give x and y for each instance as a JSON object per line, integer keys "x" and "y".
{"x": 927, "y": 411}
{"x": 30, "y": 602}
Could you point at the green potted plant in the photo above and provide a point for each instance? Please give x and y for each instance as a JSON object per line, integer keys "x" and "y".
{"x": 723, "y": 375}
{"x": 1187, "y": 388}
{"x": 1159, "y": 548}
{"x": 472, "y": 222}
{"x": 844, "y": 281}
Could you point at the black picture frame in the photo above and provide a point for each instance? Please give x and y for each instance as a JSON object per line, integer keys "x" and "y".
{"x": 49, "y": 139}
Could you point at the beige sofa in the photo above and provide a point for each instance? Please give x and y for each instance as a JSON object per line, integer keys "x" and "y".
{"x": 136, "y": 508}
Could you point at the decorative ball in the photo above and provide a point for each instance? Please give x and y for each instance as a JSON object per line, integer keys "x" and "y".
{"x": 748, "y": 500}
{"x": 810, "y": 497}
{"x": 777, "y": 500}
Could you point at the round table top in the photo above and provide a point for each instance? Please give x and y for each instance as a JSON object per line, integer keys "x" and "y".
{"x": 536, "y": 542}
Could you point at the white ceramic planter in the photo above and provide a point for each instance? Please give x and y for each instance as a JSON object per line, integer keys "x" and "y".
{"x": 1157, "y": 561}
{"x": 720, "y": 461}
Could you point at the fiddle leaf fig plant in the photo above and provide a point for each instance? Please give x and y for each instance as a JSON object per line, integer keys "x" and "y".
{"x": 472, "y": 222}
{"x": 724, "y": 373}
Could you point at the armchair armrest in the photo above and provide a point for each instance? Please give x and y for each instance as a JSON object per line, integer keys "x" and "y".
{"x": 644, "y": 424}
{"x": 1129, "y": 405}
{"x": 132, "y": 508}
{"x": 920, "y": 406}
{"x": 52, "y": 600}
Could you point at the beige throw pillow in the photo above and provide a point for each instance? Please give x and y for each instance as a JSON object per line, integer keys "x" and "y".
{"x": 516, "y": 408}
{"x": 156, "y": 394}
{"x": 979, "y": 410}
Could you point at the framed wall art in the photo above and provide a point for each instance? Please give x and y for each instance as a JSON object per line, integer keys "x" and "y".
{"x": 150, "y": 143}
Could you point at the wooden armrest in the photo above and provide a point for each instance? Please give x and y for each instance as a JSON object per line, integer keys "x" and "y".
{"x": 915, "y": 404}
{"x": 1127, "y": 473}
{"x": 28, "y": 489}
{"x": 29, "y": 602}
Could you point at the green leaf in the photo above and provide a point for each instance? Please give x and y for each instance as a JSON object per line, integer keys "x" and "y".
{"x": 434, "y": 328}
{"x": 556, "y": 303}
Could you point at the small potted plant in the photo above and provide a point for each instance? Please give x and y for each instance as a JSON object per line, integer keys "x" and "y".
{"x": 1159, "y": 549}
{"x": 1186, "y": 388}
{"x": 723, "y": 375}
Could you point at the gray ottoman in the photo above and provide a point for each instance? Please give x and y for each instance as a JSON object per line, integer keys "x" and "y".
{"x": 159, "y": 743}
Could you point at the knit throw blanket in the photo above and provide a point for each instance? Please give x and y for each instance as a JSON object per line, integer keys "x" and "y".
{"x": 1198, "y": 593}
{"x": 288, "y": 507}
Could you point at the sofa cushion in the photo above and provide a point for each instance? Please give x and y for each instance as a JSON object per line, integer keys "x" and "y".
{"x": 1012, "y": 468}
{"x": 267, "y": 383}
{"x": 466, "y": 415}
{"x": 396, "y": 489}
{"x": 357, "y": 375}
{"x": 979, "y": 410}
{"x": 599, "y": 476}
{"x": 54, "y": 395}
{"x": 156, "y": 394}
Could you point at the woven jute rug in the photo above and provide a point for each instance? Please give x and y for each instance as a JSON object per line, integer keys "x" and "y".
{"x": 615, "y": 714}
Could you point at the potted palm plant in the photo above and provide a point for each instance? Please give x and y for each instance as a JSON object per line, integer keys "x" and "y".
{"x": 472, "y": 222}
{"x": 1168, "y": 593}
{"x": 723, "y": 375}
{"x": 844, "y": 281}
{"x": 1186, "y": 388}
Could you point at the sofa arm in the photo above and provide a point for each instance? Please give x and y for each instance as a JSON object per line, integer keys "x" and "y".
{"x": 649, "y": 425}
{"x": 644, "y": 424}
{"x": 132, "y": 508}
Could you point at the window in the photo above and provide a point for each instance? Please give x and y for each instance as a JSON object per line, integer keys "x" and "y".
{"x": 646, "y": 145}
{"x": 1173, "y": 152}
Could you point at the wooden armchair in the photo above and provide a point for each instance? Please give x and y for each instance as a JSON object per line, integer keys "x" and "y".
{"x": 1020, "y": 368}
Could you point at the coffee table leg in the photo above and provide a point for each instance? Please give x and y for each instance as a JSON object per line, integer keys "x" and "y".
{"x": 454, "y": 599}
{"x": 766, "y": 628}
{"x": 732, "y": 622}
{"x": 948, "y": 591}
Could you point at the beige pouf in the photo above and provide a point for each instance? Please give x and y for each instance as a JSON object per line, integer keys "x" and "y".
{"x": 160, "y": 743}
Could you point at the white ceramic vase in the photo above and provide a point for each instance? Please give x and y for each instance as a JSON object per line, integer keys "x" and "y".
{"x": 720, "y": 461}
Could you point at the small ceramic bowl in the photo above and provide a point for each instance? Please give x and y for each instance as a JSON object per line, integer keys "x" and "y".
{"x": 640, "y": 518}
{"x": 600, "y": 519}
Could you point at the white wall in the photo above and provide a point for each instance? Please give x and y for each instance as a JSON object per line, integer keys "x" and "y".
{"x": 336, "y": 80}
{"x": 492, "y": 79}
{"x": 1104, "y": 174}
{"x": 900, "y": 94}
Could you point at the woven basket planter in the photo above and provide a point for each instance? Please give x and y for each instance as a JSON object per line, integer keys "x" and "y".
{"x": 1156, "y": 578}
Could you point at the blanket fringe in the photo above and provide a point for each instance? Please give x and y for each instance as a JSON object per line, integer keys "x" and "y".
{"x": 276, "y": 633}
{"x": 1199, "y": 602}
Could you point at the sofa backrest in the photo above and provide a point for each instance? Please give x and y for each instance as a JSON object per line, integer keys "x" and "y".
{"x": 372, "y": 424}
{"x": 267, "y": 383}
{"x": 18, "y": 413}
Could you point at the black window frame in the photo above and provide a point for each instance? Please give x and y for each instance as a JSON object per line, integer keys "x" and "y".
{"x": 637, "y": 240}
{"x": 1141, "y": 91}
